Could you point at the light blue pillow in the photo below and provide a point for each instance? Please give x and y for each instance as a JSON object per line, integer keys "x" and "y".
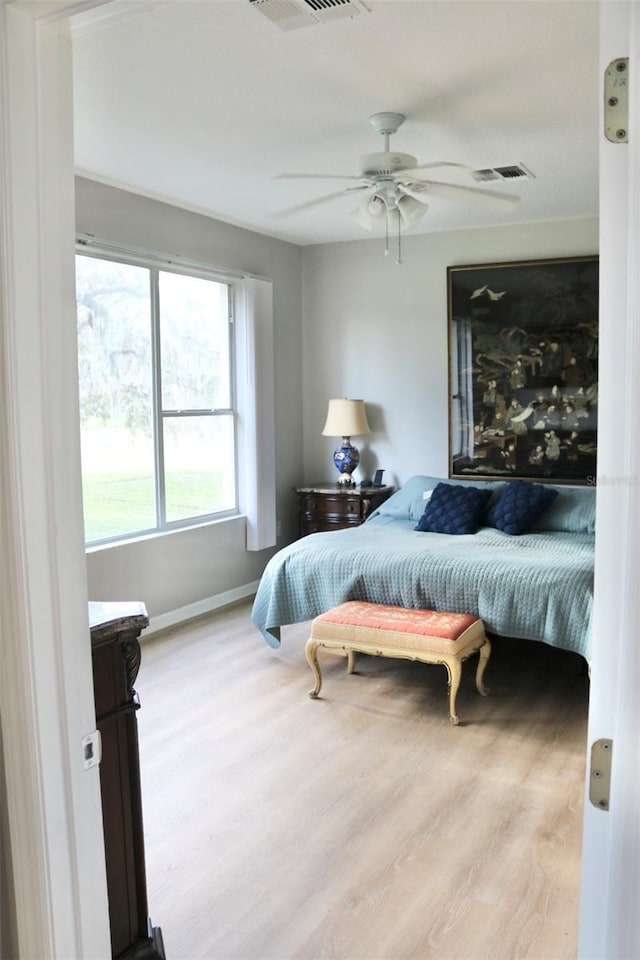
{"x": 572, "y": 511}
{"x": 409, "y": 502}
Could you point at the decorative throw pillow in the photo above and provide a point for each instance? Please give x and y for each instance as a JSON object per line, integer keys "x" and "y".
{"x": 574, "y": 511}
{"x": 519, "y": 506}
{"x": 454, "y": 509}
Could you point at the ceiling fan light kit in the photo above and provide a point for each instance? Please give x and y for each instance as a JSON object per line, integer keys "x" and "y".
{"x": 395, "y": 190}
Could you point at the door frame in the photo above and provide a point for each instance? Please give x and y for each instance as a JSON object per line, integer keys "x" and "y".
{"x": 610, "y": 882}
{"x": 54, "y": 854}
{"x": 46, "y": 699}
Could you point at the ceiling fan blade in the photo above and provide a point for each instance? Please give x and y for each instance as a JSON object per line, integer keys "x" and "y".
{"x": 317, "y": 201}
{"x": 315, "y": 176}
{"x": 450, "y": 191}
{"x": 414, "y": 172}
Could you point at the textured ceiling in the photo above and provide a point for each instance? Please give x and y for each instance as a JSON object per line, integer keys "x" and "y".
{"x": 203, "y": 102}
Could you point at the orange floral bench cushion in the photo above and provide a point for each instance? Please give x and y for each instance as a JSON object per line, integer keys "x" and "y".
{"x": 360, "y": 621}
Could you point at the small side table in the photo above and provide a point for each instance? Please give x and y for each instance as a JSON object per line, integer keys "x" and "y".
{"x": 326, "y": 506}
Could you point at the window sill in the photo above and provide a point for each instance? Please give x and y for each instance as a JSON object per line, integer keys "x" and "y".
{"x": 159, "y": 534}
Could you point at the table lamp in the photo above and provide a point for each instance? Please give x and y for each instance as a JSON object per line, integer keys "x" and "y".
{"x": 346, "y": 419}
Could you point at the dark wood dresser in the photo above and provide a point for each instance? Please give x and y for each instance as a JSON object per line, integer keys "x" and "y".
{"x": 326, "y": 506}
{"x": 115, "y": 629}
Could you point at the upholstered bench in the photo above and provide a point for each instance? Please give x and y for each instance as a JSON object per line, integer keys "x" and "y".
{"x": 386, "y": 631}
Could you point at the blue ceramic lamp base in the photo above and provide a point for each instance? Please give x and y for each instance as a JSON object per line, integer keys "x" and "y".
{"x": 346, "y": 459}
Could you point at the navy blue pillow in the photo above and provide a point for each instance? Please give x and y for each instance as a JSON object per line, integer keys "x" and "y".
{"x": 519, "y": 506}
{"x": 453, "y": 509}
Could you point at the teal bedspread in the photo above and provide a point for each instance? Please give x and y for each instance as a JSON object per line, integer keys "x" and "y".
{"x": 537, "y": 586}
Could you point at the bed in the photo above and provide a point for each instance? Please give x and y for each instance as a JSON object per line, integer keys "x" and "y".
{"x": 537, "y": 585}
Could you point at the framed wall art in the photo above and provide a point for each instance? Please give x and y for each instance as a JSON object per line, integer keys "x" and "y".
{"x": 523, "y": 370}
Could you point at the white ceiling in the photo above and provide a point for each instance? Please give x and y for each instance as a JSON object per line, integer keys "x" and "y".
{"x": 203, "y": 102}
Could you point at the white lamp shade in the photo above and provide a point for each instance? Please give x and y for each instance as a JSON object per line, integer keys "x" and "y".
{"x": 362, "y": 216}
{"x": 372, "y": 210}
{"x": 346, "y": 418}
{"x": 411, "y": 210}
{"x": 407, "y": 209}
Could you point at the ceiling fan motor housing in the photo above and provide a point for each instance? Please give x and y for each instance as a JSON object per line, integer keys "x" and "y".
{"x": 385, "y": 164}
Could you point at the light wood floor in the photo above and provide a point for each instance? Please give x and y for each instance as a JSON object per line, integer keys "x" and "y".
{"x": 362, "y": 826}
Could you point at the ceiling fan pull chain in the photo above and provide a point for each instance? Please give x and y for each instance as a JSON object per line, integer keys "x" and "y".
{"x": 399, "y": 260}
{"x": 386, "y": 232}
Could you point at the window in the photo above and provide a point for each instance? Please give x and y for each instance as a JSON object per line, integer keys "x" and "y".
{"x": 157, "y": 406}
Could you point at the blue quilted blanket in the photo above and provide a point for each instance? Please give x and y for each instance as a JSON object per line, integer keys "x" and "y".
{"x": 537, "y": 586}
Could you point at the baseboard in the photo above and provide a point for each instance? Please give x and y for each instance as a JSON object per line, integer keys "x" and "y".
{"x": 197, "y": 609}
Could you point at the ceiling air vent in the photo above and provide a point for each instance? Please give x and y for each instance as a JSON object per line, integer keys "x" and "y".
{"x": 293, "y": 14}
{"x": 513, "y": 171}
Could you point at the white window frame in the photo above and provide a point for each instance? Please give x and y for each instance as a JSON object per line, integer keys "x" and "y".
{"x": 157, "y": 264}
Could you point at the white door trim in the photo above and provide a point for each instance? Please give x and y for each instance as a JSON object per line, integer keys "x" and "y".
{"x": 46, "y": 694}
{"x": 610, "y": 892}
{"x": 46, "y": 698}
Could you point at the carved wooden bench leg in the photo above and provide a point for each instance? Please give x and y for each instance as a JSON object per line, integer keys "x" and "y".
{"x": 483, "y": 660}
{"x": 351, "y": 661}
{"x": 454, "y": 669}
{"x": 311, "y": 652}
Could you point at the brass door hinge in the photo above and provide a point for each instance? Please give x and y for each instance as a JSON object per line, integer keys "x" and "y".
{"x": 600, "y": 774}
{"x": 616, "y": 101}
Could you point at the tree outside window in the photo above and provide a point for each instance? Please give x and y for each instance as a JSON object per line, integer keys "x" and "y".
{"x": 156, "y": 397}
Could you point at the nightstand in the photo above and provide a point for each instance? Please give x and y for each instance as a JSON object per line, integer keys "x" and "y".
{"x": 325, "y": 506}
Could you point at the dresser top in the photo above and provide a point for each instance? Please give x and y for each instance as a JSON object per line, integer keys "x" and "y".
{"x": 340, "y": 489}
{"x": 102, "y": 613}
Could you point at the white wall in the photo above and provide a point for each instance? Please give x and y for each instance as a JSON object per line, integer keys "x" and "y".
{"x": 378, "y": 330}
{"x": 181, "y": 569}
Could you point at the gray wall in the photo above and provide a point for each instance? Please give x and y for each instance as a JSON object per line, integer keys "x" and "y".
{"x": 179, "y": 569}
{"x": 348, "y": 322}
{"x": 378, "y": 330}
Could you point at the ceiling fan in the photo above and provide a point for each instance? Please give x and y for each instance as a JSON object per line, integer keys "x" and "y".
{"x": 395, "y": 189}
